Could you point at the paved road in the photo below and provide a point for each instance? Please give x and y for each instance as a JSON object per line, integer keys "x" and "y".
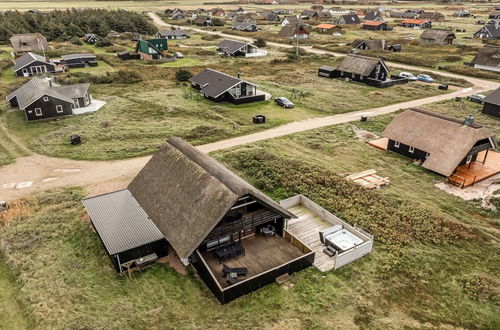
{"x": 38, "y": 173}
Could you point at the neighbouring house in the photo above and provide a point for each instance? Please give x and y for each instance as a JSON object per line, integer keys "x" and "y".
{"x": 268, "y": 16}
{"x": 403, "y": 15}
{"x": 338, "y": 11}
{"x": 172, "y": 34}
{"x": 238, "y": 48}
{"x": 178, "y": 14}
{"x": 28, "y": 42}
{"x": 438, "y": 37}
{"x": 217, "y": 12}
{"x": 317, "y": 7}
{"x": 348, "y": 19}
{"x": 439, "y": 142}
{"x": 245, "y": 26}
{"x": 42, "y": 99}
{"x": 324, "y": 15}
{"x": 368, "y": 44}
{"x": 31, "y": 64}
{"x": 462, "y": 13}
{"x": 233, "y": 235}
{"x": 417, "y": 23}
{"x": 488, "y": 59}
{"x": 219, "y": 87}
{"x": 294, "y": 31}
{"x": 489, "y": 31}
{"x": 375, "y": 25}
{"x": 240, "y": 10}
{"x": 432, "y": 16}
{"x": 395, "y": 48}
{"x": 152, "y": 49}
{"x": 90, "y": 38}
{"x": 246, "y": 18}
{"x": 494, "y": 15}
{"x": 327, "y": 28}
{"x": 491, "y": 105}
{"x": 203, "y": 21}
{"x": 79, "y": 60}
{"x": 368, "y": 70}
{"x": 289, "y": 20}
{"x": 310, "y": 14}
{"x": 375, "y": 15}
{"x": 281, "y": 11}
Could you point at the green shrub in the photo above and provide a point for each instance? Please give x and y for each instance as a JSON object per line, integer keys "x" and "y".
{"x": 104, "y": 42}
{"x": 260, "y": 42}
{"x": 183, "y": 75}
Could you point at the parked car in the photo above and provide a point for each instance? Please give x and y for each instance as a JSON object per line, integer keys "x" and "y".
{"x": 407, "y": 75}
{"x": 478, "y": 98}
{"x": 179, "y": 55}
{"x": 283, "y": 102}
{"x": 425, "y": 78}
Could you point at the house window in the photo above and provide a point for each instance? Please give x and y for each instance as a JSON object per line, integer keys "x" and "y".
{"x": 427, "y": 155}
{"x": 38, "y": 111}
{"x": 411, "y": 149}
{"x": 353, "y": 75}
{"x": 396, "y": 144}
{"x": 59, "y": 108}
{"x": 76, "y": 104}
{"x": 45, "y": 98}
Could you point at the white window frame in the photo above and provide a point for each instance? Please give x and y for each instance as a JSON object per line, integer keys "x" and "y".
{"x": 396, "y": 144}
{"x": 59, "y": 108}
{"x": 38, "y": 112}
{"x": 427, "y": 155}
{"x": 46, "y": 98}
{"x": 411, "y": 149}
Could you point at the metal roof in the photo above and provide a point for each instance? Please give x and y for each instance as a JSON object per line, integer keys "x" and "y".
{"x": 75, "y": 56}
{"x": 120, "y": 221}
{"x": 28, "y": 58}
{"x": 214, "y": 83}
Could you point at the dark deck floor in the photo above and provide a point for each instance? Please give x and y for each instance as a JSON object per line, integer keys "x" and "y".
{"x": 261, "y": 254}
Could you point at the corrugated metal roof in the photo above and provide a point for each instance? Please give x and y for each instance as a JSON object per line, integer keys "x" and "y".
{"x": 120, "y": 221}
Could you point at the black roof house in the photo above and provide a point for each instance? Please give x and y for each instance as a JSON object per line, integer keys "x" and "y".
{"x": 489, "y": 31}
{"x": 349, "y": 19}
{"x": 31, "y": 64}
{"x": 491, "y": 105}
{"x": 41, "y": 99}
{"x": 245, "y": 26}
{"x": 79, "y": 60}
{"x": 186, "y": 201}
{"x": 236, "y": 48}
{"x": 219, "y": 87}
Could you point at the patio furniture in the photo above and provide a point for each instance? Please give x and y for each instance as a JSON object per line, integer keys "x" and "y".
{"x": 232, "y": 278}
{"x": 268, "y": 231}
{"x": 229, "y": 252}
{"x": 241, "y": 271}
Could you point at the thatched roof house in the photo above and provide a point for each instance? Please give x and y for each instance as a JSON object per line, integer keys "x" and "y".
{"x": 438, "y": 36}
{"x": 369, "y": 44}
{"x": 488, "y": 58}
{"x": 29, "y": 42}
{"x": 442, "y": 143}
{"x": 360, "y": 65}
{"x": 294, "y": 31}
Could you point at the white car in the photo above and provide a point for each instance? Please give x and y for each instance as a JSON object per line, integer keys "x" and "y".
{"x": 179, "y": 55}
{"x": 407, "y": 75}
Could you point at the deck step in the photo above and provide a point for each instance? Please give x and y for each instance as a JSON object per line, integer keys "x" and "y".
{"x": 283, "y": 278}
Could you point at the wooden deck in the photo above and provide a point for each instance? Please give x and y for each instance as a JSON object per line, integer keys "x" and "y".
{"x": 465, "y": 175}
{"x": 306, "y": 228}
{"x": 368, "y": 179}
{"x": 379, "y": 143}
{"x": 261, "y": 254}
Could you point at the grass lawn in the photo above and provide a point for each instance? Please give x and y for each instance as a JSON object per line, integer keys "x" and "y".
{"x": 5, "y": 157}
{"x": 102, "y": 68}
{"x": 11, "y": 314}
{"x": 415, "y": 277}
{"x": 139, "y": 117}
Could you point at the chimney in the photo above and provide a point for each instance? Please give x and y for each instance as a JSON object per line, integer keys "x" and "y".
{"x": 469, "y": 120}
{"x": 238, "y": 75}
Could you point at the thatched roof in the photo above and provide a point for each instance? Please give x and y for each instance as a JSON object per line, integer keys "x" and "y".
{"x": 362, "y": 65}
{"x": 186, "y": 194}
{"x": 373, "y": 44}
{"x": 437, "y": 35}
{"x": 291, "y": 30}
{"x": 488, "y": 56}
{"x": 28, "y": 42}
{"x": 447, "y": 140}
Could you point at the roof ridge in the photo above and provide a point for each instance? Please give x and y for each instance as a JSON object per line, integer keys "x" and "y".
{"x": 444, "y": 117}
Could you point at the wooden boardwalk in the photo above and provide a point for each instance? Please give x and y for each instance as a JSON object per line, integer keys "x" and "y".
{"x": 379, "y": 143}
{"x": 465, "y": 175}
{"x": 306, "y": 228}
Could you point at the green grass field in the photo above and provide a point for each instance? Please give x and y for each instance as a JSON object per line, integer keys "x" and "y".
{"x": 435, "y": 263}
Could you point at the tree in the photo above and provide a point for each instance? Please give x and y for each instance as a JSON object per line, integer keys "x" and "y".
{"x": 260, "y": 42}
{"x": 183, "y": 75}
{"x": 104, "y": 42}
{"x": 217, "y": 22}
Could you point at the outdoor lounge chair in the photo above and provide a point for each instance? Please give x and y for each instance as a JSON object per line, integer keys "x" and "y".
{"x": 242, "y": 271}
{"x": 232, "y": 279}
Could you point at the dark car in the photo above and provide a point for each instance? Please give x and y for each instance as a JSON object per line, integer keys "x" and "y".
{"x": 478, "y": 98}
{"x": 283, "y": 102}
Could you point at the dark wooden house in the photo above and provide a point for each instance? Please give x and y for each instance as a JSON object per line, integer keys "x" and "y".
{"x": 152, "y": 49}
{"x": 438, "y": 37}
{"x": 90, "y": 38}
{"x": 326, "y": 28}
{"x": 216, "y": 222}
{"x": 369, "y": 44}
{"x": 489, "y": 31}
{"x": 491, "y": 105}
{"x": 41, "y": 99}
{"x": 374, "y": 15}
{"x": 237, "y": 48}
{"x": 362, "y": 68}
{"x": 28, "y": 42}
{"x": 417, "y": 23}
{"x": 172, "y": 34}
{"x": 494, "y": 15}
{"x": 31, "y": 64}
{"x": 439, "y": 142}
{"x": 219, "y": 87}
{"x": 79, "y": 60}
{"x": 203, "y": 21}
{"x": 375, "y": 25}
{"x": 294, "y": 31}
{"x": 245, "y": 27}
{"x": 349, "y": 19}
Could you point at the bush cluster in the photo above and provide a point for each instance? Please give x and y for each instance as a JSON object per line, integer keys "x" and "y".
{"x": 118, "y": 77}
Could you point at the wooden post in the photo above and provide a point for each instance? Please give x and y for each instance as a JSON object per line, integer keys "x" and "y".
{"x": 485, "y": 155}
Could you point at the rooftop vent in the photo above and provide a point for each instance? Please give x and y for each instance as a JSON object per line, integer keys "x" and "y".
{"x": 469, "y": 120}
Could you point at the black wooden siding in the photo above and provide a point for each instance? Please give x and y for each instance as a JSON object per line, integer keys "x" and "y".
{"x": 49, "y": 67}
{"x": 48, "y": 108}
{"x": 404, "y": 150}
{"x": 491, "y": 109}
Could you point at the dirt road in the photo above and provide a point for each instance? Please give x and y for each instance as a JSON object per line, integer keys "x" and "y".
{"x": 38, "y": 173}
